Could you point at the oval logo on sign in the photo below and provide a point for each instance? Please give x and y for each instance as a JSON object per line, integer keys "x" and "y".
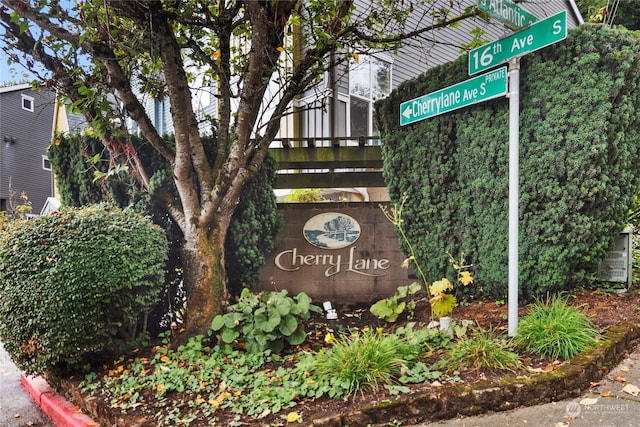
{"x": 331, "y": 230}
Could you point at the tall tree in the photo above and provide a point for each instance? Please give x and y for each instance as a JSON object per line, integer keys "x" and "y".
{"x": 261, "y": 55}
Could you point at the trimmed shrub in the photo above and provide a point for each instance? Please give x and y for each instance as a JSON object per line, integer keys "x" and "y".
{"x": 579, "y": 126}
{"x": 75, "y": 283}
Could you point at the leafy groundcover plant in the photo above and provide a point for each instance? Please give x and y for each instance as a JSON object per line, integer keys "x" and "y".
{"x": 555, "y": 329}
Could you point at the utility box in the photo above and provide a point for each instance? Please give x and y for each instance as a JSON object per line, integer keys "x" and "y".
{"x": 618, "y": 265}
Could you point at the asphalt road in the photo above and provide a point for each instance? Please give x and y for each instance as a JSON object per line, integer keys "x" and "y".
{"x": 16, "y": 407}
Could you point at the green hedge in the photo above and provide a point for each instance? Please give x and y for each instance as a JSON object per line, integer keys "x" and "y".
{"x": 76, "y": 283}
{"x": 578, "y": 151}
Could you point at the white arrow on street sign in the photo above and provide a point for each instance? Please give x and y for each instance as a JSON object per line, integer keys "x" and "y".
{"x": 480, "y": 88}
{"x": 538, "y": 35}
{"x": 507, "y": 12}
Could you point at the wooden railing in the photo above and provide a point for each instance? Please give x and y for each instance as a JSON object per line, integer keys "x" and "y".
{"x": 328, "y": 162}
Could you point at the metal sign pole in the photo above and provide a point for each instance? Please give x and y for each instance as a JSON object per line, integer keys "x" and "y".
{"x": 514, "y": 178}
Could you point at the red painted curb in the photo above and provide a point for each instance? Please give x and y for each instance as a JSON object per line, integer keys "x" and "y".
{"x": 53, "y": 405}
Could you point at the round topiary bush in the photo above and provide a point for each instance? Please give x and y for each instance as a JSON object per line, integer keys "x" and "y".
{"x": 76, "y": 283}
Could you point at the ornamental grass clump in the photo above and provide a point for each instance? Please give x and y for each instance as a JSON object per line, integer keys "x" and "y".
{"x": 556, "y": 330}
{"x": 371, "y": 359}
{"x": 480, "y": 350}
{"x": 364, "y": 360}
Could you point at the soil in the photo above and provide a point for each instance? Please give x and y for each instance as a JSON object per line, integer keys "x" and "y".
{"x": 604, "y": 308}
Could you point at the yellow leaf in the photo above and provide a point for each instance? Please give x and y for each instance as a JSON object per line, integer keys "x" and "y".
{"x": 355, "y": 57}
{"x": 440, "y": 287}
{"x": 292, "y": 417}
{"x": 216, "y": 54}
{"x": 199, "y": 400}
{"x": 465, "y": 278}
{"x": 280, "y": 49}
{"x": 329, "y": 338}
{"x": 442, "y": 304}
{"x": 159, "y": 387}
{"x": 164, "y": 358}
{"x": 213, "y": 403}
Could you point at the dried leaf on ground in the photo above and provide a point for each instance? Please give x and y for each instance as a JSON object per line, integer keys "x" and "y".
{"x": 631, "y": 389}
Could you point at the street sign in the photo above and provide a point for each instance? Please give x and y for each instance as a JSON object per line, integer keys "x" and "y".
{"x": 507, "y": 12}
{"x": 538, "y": 35}
{"x": 481, "y": 88}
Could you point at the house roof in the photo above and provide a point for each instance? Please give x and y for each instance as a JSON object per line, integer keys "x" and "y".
{"x": 14, "y": 88}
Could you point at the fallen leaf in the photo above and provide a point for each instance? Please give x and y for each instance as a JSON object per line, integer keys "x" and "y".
{"x": 436, "y": 384}
{"x": 606, "y": 393}
{"x": 548, "y": 368}
{"x": 624, "y": 369}
{"x": 589, "y": 401}
{"x": 292, "y": 417}
{"x": 561, "y": 424}
{"x": 631, "y": 389}
{"x": 620, "y": 378}
{"x": 17, "y": 416}
{"x": 594, "y": 384}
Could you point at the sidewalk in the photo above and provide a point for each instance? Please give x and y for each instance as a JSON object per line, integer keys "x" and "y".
{"x": 612, "y": 402}
{"x": 16, "y": 407}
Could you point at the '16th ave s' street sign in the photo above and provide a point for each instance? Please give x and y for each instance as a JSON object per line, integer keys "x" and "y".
{"x": 481, "y": 88}
{"x": 538, "y": 35}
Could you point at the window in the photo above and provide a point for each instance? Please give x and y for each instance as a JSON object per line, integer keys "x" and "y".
{"x": 369, "y": 80}
{"x": 27, "y": 103}
{"x": 46, "y": 163}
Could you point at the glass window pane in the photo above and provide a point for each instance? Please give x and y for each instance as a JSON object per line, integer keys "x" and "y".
{"x": 380, "y": 79}
{"x": 359, "y": 79}
{"x": 359, "y": 117}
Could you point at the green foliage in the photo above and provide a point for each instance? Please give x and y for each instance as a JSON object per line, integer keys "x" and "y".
{"x": 76, "y": 159}
{"x": 370, "y": 359}
{"x": 266, "y": 321}
{"x": 441, "y": 301}
{"x": 480, "y": 350}
{"x": 388, "y": 309}
{"x": 255, "y": 384}
{"x": 75, "y": 283}
{"x": 555, "y": 329}
{"x": 304, "y": 195}
{"x": 578, "y": 154}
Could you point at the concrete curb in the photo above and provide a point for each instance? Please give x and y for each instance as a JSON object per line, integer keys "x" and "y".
{"x": 53, "y": 405}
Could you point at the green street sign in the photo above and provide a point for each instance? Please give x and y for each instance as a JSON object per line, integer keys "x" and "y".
{"x": 538, "y": 35}
{"x": 481, "y": 88}
{"x": 507, "y": 12}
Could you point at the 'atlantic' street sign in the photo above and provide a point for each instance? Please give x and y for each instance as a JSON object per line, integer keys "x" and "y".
{"x": 507, "y": 12}
{"x": 481, "y": 88}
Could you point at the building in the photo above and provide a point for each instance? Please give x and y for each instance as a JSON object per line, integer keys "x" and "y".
{"x": 26, "y": 127}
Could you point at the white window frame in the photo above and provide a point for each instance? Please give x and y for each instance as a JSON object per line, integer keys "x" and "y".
{"x": 27, "y": 99}
{"x": 45, "y": 162}
{"x": 383, "y": 58}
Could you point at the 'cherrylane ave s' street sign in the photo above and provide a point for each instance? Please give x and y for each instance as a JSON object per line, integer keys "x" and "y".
{"x": 481, "y": 88}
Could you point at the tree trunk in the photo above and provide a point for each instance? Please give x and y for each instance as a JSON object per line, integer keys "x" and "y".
{"x": 204, "y": 279}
